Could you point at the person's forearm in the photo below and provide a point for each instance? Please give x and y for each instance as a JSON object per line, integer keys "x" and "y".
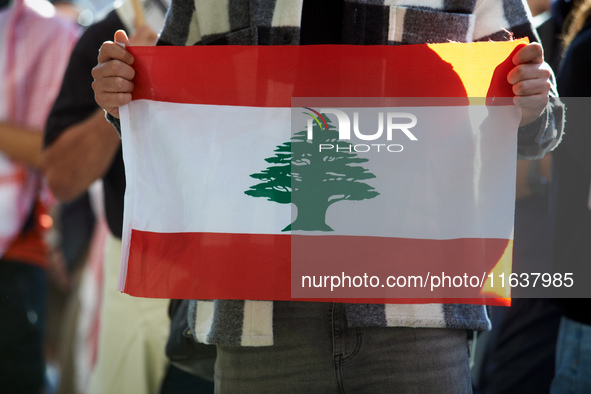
{"x": 22, "y": 144}
{"x": 81, "y": 155}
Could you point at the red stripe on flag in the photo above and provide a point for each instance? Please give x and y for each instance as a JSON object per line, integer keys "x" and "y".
{"x": 259, "y": 266}
{"x": 269, "y": 76}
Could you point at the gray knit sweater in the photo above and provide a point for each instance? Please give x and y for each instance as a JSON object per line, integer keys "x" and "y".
{"x": 365, "y": 22}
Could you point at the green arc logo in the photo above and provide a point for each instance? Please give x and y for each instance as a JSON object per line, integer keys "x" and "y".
{"x": 318, "y": 115}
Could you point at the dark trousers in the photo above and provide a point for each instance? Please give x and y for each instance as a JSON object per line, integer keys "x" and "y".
{"x": 23, "y": 291}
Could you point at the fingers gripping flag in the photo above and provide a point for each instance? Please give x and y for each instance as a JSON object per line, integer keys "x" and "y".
{"x": 320, "y": 172}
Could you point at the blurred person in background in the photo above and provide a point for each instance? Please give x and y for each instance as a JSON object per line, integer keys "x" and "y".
{"x": 518, "y": 353}
{"x": 69, "y": 241}
{"x": 572, "y": 205}
{"x": 82, "y": 147}
{"x": 34, "y": 47}
{"x": 549, "y": 28}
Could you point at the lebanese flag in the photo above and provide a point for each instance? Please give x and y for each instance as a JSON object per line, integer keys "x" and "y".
{"x": 347, "y": 173}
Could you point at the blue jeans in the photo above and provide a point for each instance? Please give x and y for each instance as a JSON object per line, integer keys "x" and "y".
{"x": 573, "y": 358}
{"x": 315, "y": 351}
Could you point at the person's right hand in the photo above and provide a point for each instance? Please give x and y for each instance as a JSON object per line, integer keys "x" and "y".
{"x": 113, "y": 75}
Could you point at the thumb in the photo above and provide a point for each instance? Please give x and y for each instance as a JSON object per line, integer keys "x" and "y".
{"x": 121, "y": 38}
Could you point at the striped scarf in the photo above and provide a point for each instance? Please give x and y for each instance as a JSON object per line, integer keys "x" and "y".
{"x": 365, "y": 22}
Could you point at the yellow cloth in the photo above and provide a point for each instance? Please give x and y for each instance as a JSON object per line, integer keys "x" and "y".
{"x": 132, "y": 337}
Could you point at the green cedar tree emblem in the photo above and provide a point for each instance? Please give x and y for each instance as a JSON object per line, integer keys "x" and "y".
{"x": 312, "y": 179}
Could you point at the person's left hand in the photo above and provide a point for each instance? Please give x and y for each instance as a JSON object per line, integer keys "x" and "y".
{"x": 531, "y": 82}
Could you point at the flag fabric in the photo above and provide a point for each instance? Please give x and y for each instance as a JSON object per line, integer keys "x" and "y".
{"x": 320, "y": 172}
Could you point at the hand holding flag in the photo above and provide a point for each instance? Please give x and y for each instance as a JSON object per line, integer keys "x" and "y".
{"x": 113, "y": 74}
{"x": 531, "y": 82}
